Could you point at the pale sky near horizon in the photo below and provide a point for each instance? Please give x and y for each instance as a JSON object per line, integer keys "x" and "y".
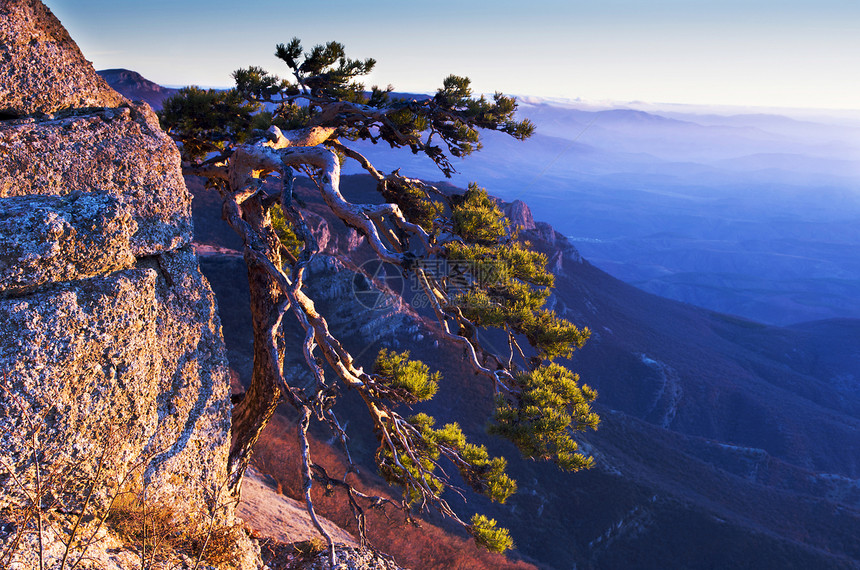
{"x": 770, "y": 53}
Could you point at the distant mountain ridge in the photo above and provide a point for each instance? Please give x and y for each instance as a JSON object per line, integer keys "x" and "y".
{"x": 740, "y": 195}
{"x": 136, "y": 87}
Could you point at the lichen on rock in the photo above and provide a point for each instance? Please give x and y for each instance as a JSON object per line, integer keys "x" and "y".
{"x": 45, "y": 239}
{"x": 79, "y": 359}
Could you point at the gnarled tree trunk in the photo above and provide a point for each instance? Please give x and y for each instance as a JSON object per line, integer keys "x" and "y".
{"x": 253, "y": 412}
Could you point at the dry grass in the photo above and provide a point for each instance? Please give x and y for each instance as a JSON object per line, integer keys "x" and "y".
{"x": 69, "y": 500}
{"x": 156, "y": 531}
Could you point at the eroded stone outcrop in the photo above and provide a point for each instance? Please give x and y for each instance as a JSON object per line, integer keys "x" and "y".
{"x": 80, "y": 359}
{"x": 520, "y": 215}
{"x": 114, "y": 376}
{"x": 189, "y": 448}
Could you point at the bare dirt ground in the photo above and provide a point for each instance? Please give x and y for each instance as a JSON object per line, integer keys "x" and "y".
{"x": 271, "y": 514}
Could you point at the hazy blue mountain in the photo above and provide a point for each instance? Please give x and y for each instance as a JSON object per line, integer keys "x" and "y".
{"x": 750, "y": 214}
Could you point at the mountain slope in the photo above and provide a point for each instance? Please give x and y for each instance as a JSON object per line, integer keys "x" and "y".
{"x": 136, "y": 87}
{"x": 724, "y": 443}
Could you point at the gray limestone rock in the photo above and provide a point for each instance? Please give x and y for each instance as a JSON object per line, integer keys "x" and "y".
{"x": 81, "y": 373}
{"x": 189, "y": 449}
{"x": 352, "y": 558}
{"x": 133, "y": 360}
{"x": 113, "y": 375}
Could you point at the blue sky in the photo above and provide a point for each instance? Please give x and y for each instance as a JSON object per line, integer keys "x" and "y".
{"x": 785, "y": 53}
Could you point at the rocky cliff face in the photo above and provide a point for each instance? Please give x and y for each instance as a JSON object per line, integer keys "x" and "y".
{"x": 36, "y": 51}
{"x": 520, "y": 215}
{"x": 114, "y": 376}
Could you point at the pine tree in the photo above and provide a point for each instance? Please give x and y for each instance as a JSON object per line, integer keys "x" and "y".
{"x": 269, "y": 129}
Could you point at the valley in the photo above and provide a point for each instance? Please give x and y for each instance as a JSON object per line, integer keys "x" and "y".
{"x": 755, "y": 215}
{"x": 727, "y": 439}
{"x": 722, "y": 440}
